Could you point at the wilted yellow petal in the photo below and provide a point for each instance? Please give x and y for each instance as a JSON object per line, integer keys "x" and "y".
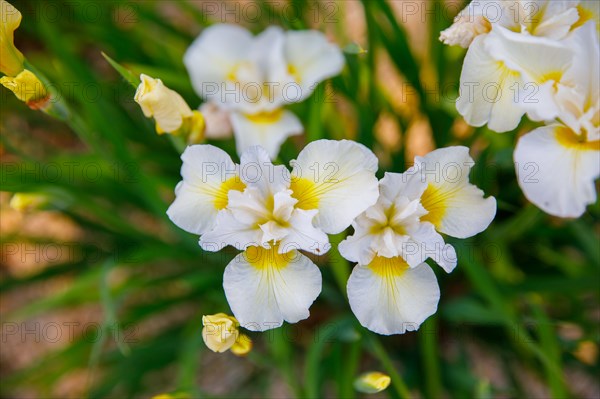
{"x": 372, "y": 382}
{"x": 28, "y": 88}
{"x": 11, "y": 59}
{"x": 220, "y": 331}
{"x": 242, "y": 346}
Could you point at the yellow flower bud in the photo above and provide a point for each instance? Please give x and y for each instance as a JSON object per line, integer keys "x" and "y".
{"x": 220, "y": 331}
{"x": 28, "y": 88}
{"x": 242, "y": 346}
{"x": 11, "y": 59}
{"x": 372, "y": 382}
{"x": 166, "y": 106}
{"x": 23, "y": 202}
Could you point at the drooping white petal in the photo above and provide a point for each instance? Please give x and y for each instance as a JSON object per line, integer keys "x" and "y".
{"x": 267, "y": 129}
{"x": 208, "y": 175}
{"x": 388, "y": 297}
{"x": 541, "y": 64}
{"x": 487, "y": 90}
{"x": 556, "y": 172}
{"x": 311, "y": 58}
{"x": 455, "y": 206}
{"x": 338, "y": 179}
{"x": 264, "y": 288}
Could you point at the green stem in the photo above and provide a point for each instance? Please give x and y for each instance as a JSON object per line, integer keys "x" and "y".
{"x": 386, "y": 362}
{"x": 429, "y": 353}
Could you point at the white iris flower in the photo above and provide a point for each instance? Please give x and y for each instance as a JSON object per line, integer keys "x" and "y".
{"x": 557, "y": 164}
{"x": 252, "y": 78}
{"x": 392, "y": 290}
{"x": 270, "y": 214}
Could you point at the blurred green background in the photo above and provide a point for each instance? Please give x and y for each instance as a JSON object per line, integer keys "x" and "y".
{"x": 101, "y": 296}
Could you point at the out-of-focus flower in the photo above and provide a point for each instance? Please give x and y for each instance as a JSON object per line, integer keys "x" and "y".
{"x": 587, "y": 352}
{"x": 11, "y": 59}
{"x": 24, "y": 202}
{"x": 270, "y": 214}
{"x": 218, "y": 125}
{"x": 392, "y": 290}
{"x": 221, "y": 333}
{"x": 549, "y": 19}
{"x": 253, "y": 77}
{"x": 169, "y": 110}
{"x": 27, "y": 88}
{"x": 372, "y": 382}
{"x": 557, "y": 164}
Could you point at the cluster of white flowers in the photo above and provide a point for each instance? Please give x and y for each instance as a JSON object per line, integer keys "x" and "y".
{"x": 247, "y": 80}
{"x": 271, "y": 214}
{"x": 539, "y": 58}
{"x": 392, "y": 289}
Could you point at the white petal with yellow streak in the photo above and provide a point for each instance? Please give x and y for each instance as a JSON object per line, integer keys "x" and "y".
{"x": 338, "y": 179}
{"x": 456, "y": 207}
{"x": 485, "y": 90}
{"x": 265, "y": 288}
{"x": 388, "y": 297}
{"x": 208, "y": 175}
{"x": 311, "y": 59}
{"x": 556, "y": 171}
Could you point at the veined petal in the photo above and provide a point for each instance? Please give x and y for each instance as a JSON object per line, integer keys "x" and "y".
{"x": 311, "y": 58}
{"x": 556, "y": 171}
{"x": 304, "y": 235}
{"x": 487, "y": 90}
{"x": 208, "y": 176}
{"x": 388, "y": 297}
{"x": 267, "y": 129}
{"x": 264, "y": 287}
{"x": 455, "y": 207}
{"x": 338, "y": 179}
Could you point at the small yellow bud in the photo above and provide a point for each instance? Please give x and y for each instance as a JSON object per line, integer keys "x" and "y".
{"x": 11, "y": 59}
{"x": 24, "y": 202}
{"x": 372, "y": 382}
{"x": 28, "y": 88}
{"x": 242, "y": 346}
{"x": 166, "y": 106}
{"x": 220, "y": 331}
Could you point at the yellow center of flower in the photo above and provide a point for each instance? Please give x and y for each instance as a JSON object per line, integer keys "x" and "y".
{"x": 266, "y": 117}
{"x": 221, "y": 196}
{"x": 568, "y": 138}
{"x": 388, "y": 267}
{"x": 397, "y": 228}
{"x": 434, "y": 200}
{"x": 268, "y": 258}
{"x": 306, "y": 192}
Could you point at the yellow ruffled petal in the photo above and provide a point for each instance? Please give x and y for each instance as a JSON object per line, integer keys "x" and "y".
{"x": 11, "y": 59}
{"x": 28, "y": 88}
